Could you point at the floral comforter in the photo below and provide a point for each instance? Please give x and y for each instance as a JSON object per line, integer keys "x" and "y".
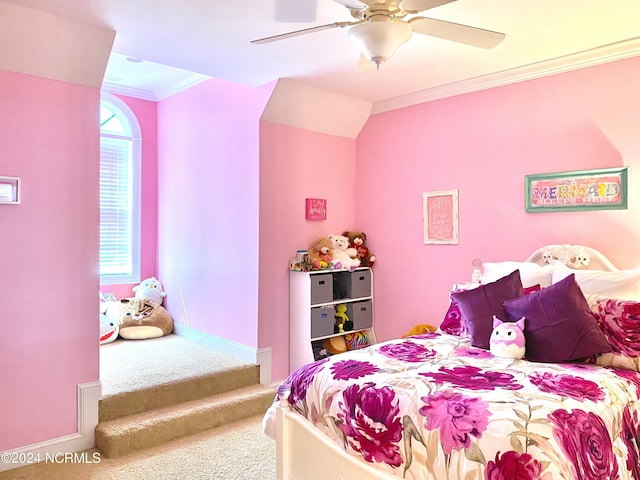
{"x": 433, "y": 407}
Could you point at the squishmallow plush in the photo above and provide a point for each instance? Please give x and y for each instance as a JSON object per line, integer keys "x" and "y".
{"x": 108, "y": 329}
{"x": 139, "y": 319}
{"x": 507, "y": 339}
{"x": 150, "y": 289}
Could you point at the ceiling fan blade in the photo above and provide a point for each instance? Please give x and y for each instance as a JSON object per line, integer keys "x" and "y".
{"x": 354, "y": 4}
{"x": 304, "y": 31}
{"x": 476, "y": 37}
{"x": 295, "y": 11}
{"x": 415, "y": 6}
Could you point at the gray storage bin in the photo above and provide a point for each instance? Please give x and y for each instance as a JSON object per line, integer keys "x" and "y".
{"x": 360, "y": 313}
{"x": 322, "y": 321}
{"x": 321, "y": 288}
{"x": 357, "y": 284}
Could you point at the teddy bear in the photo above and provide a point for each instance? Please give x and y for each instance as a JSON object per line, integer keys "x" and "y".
{"x": 150, "y": 289}
{"x": 320, "y": 254}
{"x": 356, "y": 240}
{"x": 341, "y": 252}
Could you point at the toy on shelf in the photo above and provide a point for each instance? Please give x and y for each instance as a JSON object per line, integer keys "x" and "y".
{"x": 341, "y": 252}
{"x": 356, "y": 340}
{"x": 150, "y": 289}
{"x": 320, "y": 254}
{"x": 507, "y": 339}
{"x": 335, "y": 345}
{"x": 357, "y": 240}
{"x": 343, "y": 324}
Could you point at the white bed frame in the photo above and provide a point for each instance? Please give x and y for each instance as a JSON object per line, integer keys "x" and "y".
{"x": 305, "y": 453}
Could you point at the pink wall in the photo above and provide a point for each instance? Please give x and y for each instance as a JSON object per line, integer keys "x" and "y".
{"x": 48, "y": 256}
{"x": 146, "y": 113}
{"x": 296, "y": 164}
{"x": 208, "y": 208}
{"x": 484, "y": 144}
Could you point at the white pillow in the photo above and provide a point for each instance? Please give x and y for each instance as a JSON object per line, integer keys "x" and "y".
{"x": 531, "y": 274}
{"x": 623, "y": 284}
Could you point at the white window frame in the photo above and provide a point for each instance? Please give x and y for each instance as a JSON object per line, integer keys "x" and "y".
{"x": 136, "y": 170}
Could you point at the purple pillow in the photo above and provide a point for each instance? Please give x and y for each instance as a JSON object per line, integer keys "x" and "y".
{"x": 559, "y": 326}
{"x": 479, "y": 305}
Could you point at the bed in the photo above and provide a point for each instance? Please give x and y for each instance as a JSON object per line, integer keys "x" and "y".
{"x": 440, "y": 406}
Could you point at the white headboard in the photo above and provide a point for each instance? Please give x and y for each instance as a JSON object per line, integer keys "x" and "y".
{"x": 573, "y": 256}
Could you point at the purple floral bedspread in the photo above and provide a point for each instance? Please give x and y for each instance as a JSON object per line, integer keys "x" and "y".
{"x": 433, "y": 407}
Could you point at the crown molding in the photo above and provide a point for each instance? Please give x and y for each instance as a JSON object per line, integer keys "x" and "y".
{"x": 129, "y": 91}
{"x": 182, "y": 85}
{"x": 587, "y": 58}
{"x": 155, "y": 95}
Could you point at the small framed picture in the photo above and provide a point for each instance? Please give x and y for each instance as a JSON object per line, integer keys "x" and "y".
{"x": 10, "y": 190}
{"x": 315, "y": 209}
{"x": 440, "y": 214}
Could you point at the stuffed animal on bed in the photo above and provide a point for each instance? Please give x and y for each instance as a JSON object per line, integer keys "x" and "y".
{"x": 150, "y": 289}
{"x": 507, "y": 339}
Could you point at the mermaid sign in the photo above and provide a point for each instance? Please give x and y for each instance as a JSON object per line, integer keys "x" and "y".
{"x": 604, "y": 189}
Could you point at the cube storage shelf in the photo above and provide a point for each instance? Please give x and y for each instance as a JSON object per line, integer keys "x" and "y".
{"x": 313, "y": 299}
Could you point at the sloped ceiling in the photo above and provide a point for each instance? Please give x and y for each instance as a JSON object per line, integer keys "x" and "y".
{"x": 39, "y": 43}
{"x": 212, "y": 38}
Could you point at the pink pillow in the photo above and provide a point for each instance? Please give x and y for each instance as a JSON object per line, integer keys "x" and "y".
{"x": 452, "y": 323}
{"x": 619, "y": 320}
{"x": 531, "y": 289}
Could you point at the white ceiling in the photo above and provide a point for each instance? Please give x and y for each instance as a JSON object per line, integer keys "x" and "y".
{"x": 182, "y": 42}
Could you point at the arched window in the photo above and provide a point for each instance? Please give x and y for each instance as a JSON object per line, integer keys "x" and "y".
{"x": 120, "y": 172}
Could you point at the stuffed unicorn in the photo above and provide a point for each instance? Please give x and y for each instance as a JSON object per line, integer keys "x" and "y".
{"x": 507, "y": 339}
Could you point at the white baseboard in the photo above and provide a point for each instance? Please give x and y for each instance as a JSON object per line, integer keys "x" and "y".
{"x": 260, "y": 356}
{"x": 89, "y": 395}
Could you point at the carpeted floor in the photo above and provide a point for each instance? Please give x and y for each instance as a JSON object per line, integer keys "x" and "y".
{"x": 238, "y": 451}
{"x": 129, "y": 365}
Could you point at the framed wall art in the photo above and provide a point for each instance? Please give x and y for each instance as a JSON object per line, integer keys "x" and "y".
{"x": 10, "y": 190}
{"x": 601, "y": 189}
{"x": 440, "y": 214}
{"x": 315, "y": 209}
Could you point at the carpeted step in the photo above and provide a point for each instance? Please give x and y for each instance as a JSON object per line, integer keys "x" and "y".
{"x": 121, "y": 436}
{"x": 179, "y": 391}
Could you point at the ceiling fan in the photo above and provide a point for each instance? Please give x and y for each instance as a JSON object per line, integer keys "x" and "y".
{"x": 379, "y": 27}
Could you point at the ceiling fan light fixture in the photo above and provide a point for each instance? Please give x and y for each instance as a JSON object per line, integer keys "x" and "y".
{"x": 379, "y": 40}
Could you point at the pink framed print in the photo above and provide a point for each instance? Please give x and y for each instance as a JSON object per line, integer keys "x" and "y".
{"x": 315, "y": 209}
{"x": 440, "y": 214}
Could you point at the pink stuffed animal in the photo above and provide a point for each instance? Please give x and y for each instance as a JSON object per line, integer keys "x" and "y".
{"x": 507, "y": 339}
